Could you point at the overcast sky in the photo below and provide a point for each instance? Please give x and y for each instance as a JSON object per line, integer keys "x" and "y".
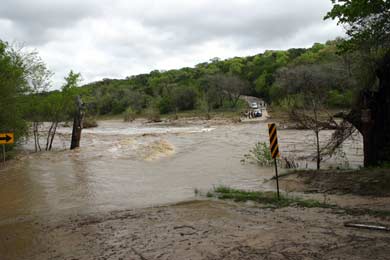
{"x": 118, "y": 38}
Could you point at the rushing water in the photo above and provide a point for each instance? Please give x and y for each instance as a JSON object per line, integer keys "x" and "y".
{"x": 121, "y": 166}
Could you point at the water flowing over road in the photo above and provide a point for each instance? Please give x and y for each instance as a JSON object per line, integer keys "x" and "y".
{"x": 127, "y": 165}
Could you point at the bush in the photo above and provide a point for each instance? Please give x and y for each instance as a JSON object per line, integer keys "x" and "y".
{"x": 339, "y": 99}
{"x": 185, "y": 98}
{"x": 129, "y": 115}
{"x": 165, "y": 105}
{"x": 152, "y": 114}
{"x": 89, "y": 122}
{"x": 260, "y": 154}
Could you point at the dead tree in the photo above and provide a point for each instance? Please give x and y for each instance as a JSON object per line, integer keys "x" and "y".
{"x": 77, "y": 123}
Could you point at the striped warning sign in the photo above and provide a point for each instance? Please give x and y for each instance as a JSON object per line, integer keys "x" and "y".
{"x": 273, "y": 140}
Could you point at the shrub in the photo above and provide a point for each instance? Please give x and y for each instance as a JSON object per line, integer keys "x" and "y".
{"x": 89, "y": 122}
{"x": 260, "y": 154}
{"x": 153, "y": 114}
{"x": 129, "y": 115}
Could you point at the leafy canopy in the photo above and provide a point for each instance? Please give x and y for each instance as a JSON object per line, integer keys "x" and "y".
{"x": 367, "y": 22}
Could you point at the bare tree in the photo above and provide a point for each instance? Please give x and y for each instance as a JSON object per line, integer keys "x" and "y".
{"x": 309, "y": 85}
{"x": 234, "y": 87}
{"x": 39, "y": 80}
{"x": 229, "y": 87}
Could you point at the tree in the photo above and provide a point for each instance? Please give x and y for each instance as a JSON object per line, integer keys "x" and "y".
{"x": 234, "y": 87}
{"x": 77, "y": 109}
{"x": 367, "y": 23}
{"x": 13, "y": 85}
{"x": 368, "y": 29}
{"x": 308, "y": 86}
{"x": 72, "y": 81}
{"x": 60, "y": 105}
{"x": 39, "y": 77}
{"x": 54, "y": 107}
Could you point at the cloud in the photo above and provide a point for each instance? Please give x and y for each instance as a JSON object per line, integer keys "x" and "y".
{"x": 118, "y": 38}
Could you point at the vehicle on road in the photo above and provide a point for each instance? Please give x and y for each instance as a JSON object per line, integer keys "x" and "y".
{"x": 258, "y": 113}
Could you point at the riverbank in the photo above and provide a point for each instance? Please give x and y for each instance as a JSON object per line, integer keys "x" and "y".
{"x": 364, "y": 182}
{"x": 206, "y": 229}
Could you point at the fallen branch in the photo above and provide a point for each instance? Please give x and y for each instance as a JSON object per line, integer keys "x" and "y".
{"x": 367, "y": 226}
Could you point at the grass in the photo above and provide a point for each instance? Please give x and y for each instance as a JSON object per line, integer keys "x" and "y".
{"x": 271, "y": 199}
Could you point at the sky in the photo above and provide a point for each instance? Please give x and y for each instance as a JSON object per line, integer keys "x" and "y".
{"x": 119, "y": 38}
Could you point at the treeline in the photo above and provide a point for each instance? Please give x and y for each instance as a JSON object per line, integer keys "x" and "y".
{"x": 275, "y": 76}
{"x": 218, "y": 84}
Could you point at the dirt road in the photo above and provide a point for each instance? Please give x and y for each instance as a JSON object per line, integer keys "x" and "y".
{"x": 206, "y": 230}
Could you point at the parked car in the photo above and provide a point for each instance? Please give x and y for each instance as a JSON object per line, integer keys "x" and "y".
{"x": 258, "y": 113}
{"x": 254, "y": 105}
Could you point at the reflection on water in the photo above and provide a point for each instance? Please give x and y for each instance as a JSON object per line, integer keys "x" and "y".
{"x": 120, "y": 167}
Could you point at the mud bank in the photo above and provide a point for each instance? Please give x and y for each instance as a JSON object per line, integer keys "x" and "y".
{"x": 365, "y": 189}
{"x": 204, "y": 230}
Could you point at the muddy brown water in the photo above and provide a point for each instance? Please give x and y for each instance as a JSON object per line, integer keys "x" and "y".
{"x": 122, "y": 165}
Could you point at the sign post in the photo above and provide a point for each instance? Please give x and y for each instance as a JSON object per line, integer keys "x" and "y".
{"x": 6, "y": 138}
{"x": 274, "y": 147}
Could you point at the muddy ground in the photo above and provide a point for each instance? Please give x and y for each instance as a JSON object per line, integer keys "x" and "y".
{"x": 207, "y": 229}
{"x": 365, "y": 182}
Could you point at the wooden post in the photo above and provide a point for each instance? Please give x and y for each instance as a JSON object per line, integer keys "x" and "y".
{"x": 277, "y": 178}
{"x": 77, "y": 123}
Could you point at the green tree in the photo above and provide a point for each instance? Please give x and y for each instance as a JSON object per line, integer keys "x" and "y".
{"x": 72, "y": 81}
{"x": 13, "y": 84}
{"x": 60, "y": 105}
{"x": 367, "y": 22}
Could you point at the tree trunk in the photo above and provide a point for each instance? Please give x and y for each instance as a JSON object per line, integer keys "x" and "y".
{"x": 372, "y": 118}
{"x": 53, "y": 134}
{"x": 77, "y": 123}
{"x": 35, "y": 136}
{"x": 318, "y": 149}
{"x": 176, "y": 116}
{"x": 48, "y": 136}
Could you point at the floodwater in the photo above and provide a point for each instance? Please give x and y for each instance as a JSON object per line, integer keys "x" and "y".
{"x": 127, "y": 165}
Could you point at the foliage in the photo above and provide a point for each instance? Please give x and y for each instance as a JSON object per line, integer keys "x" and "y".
{"x": 367, "y": 22}
{"x": 71, "y": 81}
{"x": 367, "y": 25}
{"x": 129, "y": 115}
{"x": 89, "y": 122}
{"x": 152, "y": 113}
{"x": 261, "y": 154}
{"x": 14, "y": 71}
{"x": 268, "y": 198}
{"x": 219, "y": 84}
